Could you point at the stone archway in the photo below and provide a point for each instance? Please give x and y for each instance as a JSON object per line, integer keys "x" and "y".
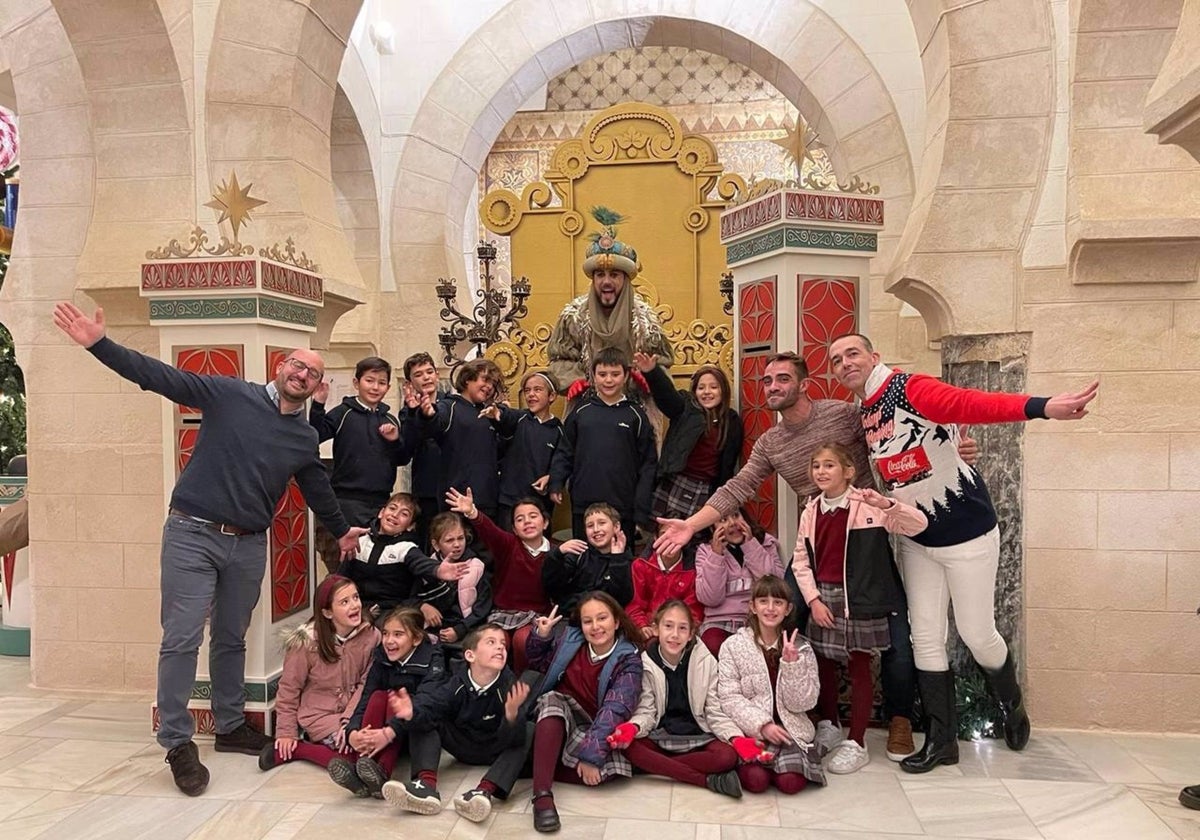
{"x": 518, "y": 50}
{"x": 269, "y": 95}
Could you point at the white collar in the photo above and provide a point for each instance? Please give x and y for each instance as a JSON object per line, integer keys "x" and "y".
{"x": 273, "y": 393}
{"x": 876, "y": 378}
{"x": 599, "y": 657}
{"x": 479, "y": 689}
{"x": 541, "y": 549}
{"x": 829, "y": 505}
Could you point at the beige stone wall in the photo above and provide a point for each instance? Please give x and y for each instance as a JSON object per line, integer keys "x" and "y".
{"x": 1023, "y": 194}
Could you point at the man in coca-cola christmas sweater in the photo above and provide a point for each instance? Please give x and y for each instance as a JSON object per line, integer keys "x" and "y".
{"x": 911, "y": 423}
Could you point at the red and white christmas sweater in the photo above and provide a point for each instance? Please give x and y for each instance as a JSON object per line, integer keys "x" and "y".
{"x": 911, "y": 423}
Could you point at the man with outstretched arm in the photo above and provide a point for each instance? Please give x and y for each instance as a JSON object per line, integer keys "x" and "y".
{"x": 911, "y": 424}
{"x": 253, "y": 439}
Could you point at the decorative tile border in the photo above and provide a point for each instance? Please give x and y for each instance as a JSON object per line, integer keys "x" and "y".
{"x": 206, "y": 724}
{"x": 175, "y": 275}
{"x": 202, "y": 309}
{"x": 12, "y": 488}
{"x": 791, "y": 236}
{"x": 255, "y": 691}
{"x": 833, "y": 207}
{"x": 756, "y": 214}
{"x": 287, "y": 312}
{"x": 290, "y": 281}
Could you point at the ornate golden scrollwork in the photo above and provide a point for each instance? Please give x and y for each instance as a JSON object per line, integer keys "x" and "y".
{"x": 198, "y": 246}
{"x": 288, "y": 254}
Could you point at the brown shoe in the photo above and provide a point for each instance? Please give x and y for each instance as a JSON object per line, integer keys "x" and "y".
{"x": 900, "y": 740}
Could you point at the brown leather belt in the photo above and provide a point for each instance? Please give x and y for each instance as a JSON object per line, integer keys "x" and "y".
{"x": 227, "y": 530}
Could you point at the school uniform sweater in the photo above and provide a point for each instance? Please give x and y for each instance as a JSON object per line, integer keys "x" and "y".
{"x": 478, "y": 716}
{"x": 654, "y": 585}
{"x": 246, "y": 450}
{"x": 386, "y": 567}
{"x": 516, "y": 571}
{"x": 701, "y": 680}
{"x": 318, "y": 696}
{"x": 566, "y": 578}
{"x": 421, "y": 675}
{"x": 618, "y": 685}
{"x": 864, "y": 563}
{"x": 470, "y": 449}
{"x": 607, "y": 454}
{"x": 911, "y": 425}
{"x": 787, "y": 449}
{"x": 724, "y": 581}
{"x": 364, "y": 461}
{"x": 424, "y": 453}
{"x": 528, "y": 449}
{"x": 464, "y": 603}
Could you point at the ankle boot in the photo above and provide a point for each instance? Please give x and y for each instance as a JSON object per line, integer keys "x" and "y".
{"x": 941, "y": 714}
{"x": 1004, "y": 687}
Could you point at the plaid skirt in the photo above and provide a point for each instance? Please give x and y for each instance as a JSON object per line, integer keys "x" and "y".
{"x": 796, "y": 758}
{"x": 679, "y": 743}
{"x": 680, "y": 496}
{"x": 557, "y": 704}
{"x": 847, "y": 634}
{"x": 512, "y": 619}
{"x": 729, "y": 625}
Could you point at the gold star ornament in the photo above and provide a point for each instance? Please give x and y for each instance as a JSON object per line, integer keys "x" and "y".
{"x": 234, "y": 202}
{"x": 798, "y": 143}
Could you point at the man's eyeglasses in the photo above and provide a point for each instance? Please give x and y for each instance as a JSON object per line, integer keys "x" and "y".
{"x": 310, "y": 370}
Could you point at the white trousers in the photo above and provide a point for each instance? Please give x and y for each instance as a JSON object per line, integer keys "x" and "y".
{"x": 964, "y": 574}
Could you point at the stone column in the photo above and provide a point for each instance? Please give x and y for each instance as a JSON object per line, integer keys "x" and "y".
{"x": 996, "y": 362}
{"x": 801, "y": 267}
{"x": 235, "y": 314}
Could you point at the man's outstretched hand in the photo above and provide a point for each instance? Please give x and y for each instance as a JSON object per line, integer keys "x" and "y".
{"x": 83, "y": 330}
{"x": 348, "y": 542}
{"x": 1069, "y": 406}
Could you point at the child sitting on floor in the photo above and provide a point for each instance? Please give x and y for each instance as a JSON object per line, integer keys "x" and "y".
{"x": 660, "y": 578}
{"x": 739, "y": 553}
{"x": 451, "y": 609}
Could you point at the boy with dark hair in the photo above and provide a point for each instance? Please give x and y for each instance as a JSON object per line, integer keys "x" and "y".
{"x": 607, "y": 453}
{"x": 421, "y": 380}
{"x": 467, "y": 428}
{"x": 525, "y": 464}
{"x": 480, "y": 716}
{"x": 366, "y": 441}
{"x": 603, "y": 563}
{"x": 390, "y": 561}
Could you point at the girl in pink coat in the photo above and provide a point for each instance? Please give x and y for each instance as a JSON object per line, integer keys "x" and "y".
{"x": 739, "y": 554}
{"x": 324, "y": 666}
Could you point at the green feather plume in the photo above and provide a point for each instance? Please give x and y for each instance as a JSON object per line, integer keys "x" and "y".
{"x": 607, "y": 217}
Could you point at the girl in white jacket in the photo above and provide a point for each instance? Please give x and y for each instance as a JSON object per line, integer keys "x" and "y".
{"x": 767, "y": 681}
{"x": 679, "y": 730}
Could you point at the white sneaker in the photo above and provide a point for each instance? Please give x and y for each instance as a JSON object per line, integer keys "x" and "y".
{"x": 828, "y": 737}
{"x": 848, "y": 758}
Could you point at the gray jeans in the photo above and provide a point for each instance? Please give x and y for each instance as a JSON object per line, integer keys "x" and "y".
{"x": 205, "y": 574}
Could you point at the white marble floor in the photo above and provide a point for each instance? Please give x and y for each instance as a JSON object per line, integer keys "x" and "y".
{"x": 86, "y": 766}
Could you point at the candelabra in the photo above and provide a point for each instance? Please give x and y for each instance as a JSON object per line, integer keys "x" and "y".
{"x": 490, "y": 319}
{"x": 725, "y": 287}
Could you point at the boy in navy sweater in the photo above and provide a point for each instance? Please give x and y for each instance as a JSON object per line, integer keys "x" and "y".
{"x": 366, "y": 441}
{"x": 467, "y": 427}
{"x": 420, "y": 381}
{"x": 602, "y": 564}
{"x": 525, "y": 464}
{"x": 480, "y": 717}
{"x": 607, "y": 453}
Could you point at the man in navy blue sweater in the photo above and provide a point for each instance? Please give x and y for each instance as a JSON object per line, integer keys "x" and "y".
{"x": 253, "y": 439}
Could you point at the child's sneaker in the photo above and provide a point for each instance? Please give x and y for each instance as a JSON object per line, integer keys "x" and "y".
{"x": 828, "y": 737}
{"x": 415, "y": 796}
{"x": 474, "y": 805}
{"x": 848, "y": 757}
{"x": 342, "y": 772}
{"x": 368, "y": 770}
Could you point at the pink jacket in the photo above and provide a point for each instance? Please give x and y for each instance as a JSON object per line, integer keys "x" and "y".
{"x": 869, "y": 577}
{"x": 316, "y": 695}
{"x": 723, "y": 585}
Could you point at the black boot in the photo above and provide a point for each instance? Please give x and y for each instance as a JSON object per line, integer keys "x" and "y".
{"x": 941, "y": 714}
{"x": 1005, "y": 688}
